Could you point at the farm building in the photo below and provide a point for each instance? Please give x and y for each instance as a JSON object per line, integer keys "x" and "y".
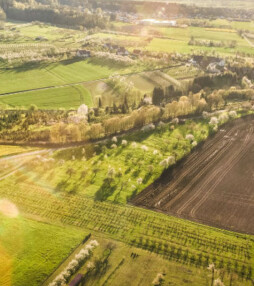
{"x": 122, "y": 52}
{"x": 77, "y": 280}
{"x": 248, "y": 82}
{"x": 40, "y": 38}
{"x": 171, "y": 23}
{"x": 83, "y": 54}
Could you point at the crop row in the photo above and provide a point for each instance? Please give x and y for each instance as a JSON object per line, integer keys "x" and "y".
{"x": 130, "y": 224}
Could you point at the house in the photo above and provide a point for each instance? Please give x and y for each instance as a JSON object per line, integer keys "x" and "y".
{"x": 83, "y": 54}
{"x": 165, "y": 23}
{"x": 213, "y": 68}
{"x": 222, "y": 63}
{"x": 115, "y": 47}
{"x": 122, "y": 52}
{"x": 193, "y": 62}
{"x": 40, "y": 38}
{"x": 77, "y": 280}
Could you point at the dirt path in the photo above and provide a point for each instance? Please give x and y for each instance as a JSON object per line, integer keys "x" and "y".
{"x": 248, "y": 41}
{"x": 213, "y": 185}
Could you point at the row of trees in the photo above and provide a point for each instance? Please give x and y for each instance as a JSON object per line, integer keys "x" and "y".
{"x": 75, "y": 264}
{"x": 211, "y": 43}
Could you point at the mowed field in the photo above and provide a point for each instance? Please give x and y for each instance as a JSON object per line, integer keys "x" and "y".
{"x": 61, "y": 73}
{"x": 50, "y": 98}
{"x": 214, "y": 185}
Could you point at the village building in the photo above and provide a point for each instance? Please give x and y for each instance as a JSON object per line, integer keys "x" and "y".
{"x": 83, "y": 54}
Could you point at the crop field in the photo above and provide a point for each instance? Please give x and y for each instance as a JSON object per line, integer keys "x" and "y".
{"x": 184, "y": 245}
{"x": 132, "y": 265}
{"x": 164, "y": 187}
{"x": 213, "y": 185}
{"x": 35, "y": 249}
{"x": 52, "y": 98}
{"x": 175, "y": 239}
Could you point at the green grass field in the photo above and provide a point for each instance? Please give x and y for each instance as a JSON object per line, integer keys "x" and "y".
{"x": 53, "y": 98}
{"x": 178, "y": 38}
{"x": 27, "y": 33}
{"x": 54, "y": 74}
{"x": 34, "y": 251}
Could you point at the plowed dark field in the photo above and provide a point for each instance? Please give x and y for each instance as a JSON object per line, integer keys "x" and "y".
{"x": 214, "y": 184}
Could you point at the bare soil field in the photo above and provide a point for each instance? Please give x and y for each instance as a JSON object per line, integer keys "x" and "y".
{"x": 214, "y": 185}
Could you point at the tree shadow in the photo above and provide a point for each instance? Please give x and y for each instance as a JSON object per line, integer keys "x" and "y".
{"x": 105, "y": 191}
{"x": 146, "y": 178}
{"x": 62, "y": 186}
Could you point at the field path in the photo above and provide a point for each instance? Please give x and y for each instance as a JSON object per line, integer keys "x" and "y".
{"x": 248, "y": 41}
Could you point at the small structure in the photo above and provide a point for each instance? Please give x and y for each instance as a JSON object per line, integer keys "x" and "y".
{"x": 122, "y": 52}
{"x": 40, "y": 38}
{"x": 77, "y": 280}
{"x": 193, "y": 62}
{"x": 136, "y": 52}
{"x": 212, "y": 68}
{"x": 248, "y": 82}
{"x": 171, "y": 23}
{"x": 83, "y": 54}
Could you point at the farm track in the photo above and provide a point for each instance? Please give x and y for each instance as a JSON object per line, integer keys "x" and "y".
{"x": 213, "y": 185}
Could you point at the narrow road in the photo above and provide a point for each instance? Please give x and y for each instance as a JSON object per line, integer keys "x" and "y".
{"x": 23, "y": 155}
{"x": 248, "y": 41}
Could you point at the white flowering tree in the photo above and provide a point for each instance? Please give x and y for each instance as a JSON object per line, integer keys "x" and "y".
{"x": 63, "y": 278}
{"x": 232, "y": 114}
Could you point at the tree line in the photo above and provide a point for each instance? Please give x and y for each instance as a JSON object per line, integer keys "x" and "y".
{"x": 58, "y": 15}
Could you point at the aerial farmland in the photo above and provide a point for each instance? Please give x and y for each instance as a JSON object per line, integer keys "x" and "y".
{"x": 126, "y": 143}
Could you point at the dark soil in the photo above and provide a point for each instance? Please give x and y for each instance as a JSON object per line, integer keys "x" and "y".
{"x": 214, "y": 184}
